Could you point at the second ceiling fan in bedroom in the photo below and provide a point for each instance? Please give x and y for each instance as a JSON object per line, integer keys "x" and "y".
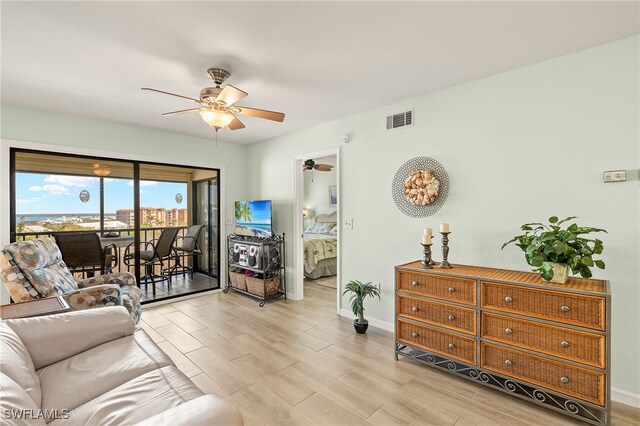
{"x": 310, "y": 164}
{"x": 217, "y": 105}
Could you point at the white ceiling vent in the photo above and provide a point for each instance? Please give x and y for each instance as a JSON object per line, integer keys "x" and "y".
{"x": 402, "y": 119}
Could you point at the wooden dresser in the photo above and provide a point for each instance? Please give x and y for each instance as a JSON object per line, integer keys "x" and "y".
{"x": 544, "y": 342}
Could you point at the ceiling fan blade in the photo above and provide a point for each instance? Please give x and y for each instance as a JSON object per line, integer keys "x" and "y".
{"x": 230, "y": 95}
{"x": 182, "y": 111}
{"x": 172, "y": 94}
{"x": 236, "y": 124}
{"x": 262, "y": 113}
{"x": 323, "y": 167}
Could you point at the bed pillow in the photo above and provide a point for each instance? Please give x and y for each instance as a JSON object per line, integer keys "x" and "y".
{"x": 334, "y": 231}
{"x": 320, "y": 228}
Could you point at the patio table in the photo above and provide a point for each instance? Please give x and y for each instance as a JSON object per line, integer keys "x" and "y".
{"x": 120, "y": 242}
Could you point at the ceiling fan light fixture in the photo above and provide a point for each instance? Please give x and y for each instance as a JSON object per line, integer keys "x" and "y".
{"x": 101, "y": 170}
{"x": 216, "y": 118}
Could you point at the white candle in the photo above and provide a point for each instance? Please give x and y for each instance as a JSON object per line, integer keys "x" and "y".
{"x": 426, "y": 238}
{"x": 444, "y": 227}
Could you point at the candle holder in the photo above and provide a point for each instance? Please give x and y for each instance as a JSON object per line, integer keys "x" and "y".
{"x": 427, "y": 261}
{"x": 445, "y": 251}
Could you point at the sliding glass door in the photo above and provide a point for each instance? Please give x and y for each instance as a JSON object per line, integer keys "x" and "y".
{"x": 206, "y": 194}
{"x": 129, "y": 204}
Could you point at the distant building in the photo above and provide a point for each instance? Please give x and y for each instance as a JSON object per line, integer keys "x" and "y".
{"x": 177, "y": 217}
{"x": 153, "y": 216}
{"x": 126, "y": 216}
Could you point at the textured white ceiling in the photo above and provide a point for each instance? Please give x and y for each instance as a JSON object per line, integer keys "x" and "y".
{"x": 315, "y": 61}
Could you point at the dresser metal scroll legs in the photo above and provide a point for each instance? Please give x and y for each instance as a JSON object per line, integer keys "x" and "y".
{"x": 584, "y": 411}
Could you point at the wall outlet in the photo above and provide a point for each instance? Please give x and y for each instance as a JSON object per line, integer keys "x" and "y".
{"x": 228, "y": 221}
{"x": 348, "y": 224}
{"x": 614, "y": 176}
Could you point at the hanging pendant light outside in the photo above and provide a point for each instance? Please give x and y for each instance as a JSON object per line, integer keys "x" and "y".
{"x": 101, "y": 170}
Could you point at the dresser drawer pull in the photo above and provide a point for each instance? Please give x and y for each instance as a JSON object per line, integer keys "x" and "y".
{"x": 451, "y": 289}
{"x": 452, "y": 346}
{"x": 451, "y": 317}
{"x": 508, "y": 362}
{"x": 564, "y": 344}
{"x": 414, "y": 335}
{"x": 508, "y": 299}
{"x": 564, "y": 379}
{"x": 508, "y": 330}
{"x": 414, "y": 309}
{"x": 414, "y": 283}
{"x": 564, "y": 308}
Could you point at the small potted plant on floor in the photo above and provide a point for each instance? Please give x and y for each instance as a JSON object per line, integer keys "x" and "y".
{"x": 552, "y": 250}
{"x": 359, "y": 291}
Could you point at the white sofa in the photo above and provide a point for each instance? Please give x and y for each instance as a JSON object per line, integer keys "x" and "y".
{"x": 94, "y": 368}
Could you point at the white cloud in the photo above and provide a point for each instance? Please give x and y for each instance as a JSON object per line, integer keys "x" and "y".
{"x": 81, "y": 181}
{"x": 27, "y": 200}
{"x": 143, "y": 183}
{"x": 35, "y": 188}
{"x": 56, "y": 189}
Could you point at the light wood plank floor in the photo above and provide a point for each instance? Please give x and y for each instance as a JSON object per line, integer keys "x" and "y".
{"x": 298, "y": 363}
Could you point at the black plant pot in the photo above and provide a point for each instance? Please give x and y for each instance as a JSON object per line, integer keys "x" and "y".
{"x": 360, "y": 328}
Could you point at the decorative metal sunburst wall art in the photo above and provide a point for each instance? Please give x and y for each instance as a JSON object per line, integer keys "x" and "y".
{"x": 420, "y": 187}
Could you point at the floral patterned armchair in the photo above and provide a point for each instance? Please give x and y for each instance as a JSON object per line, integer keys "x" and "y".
{"x": 34, "y": 269}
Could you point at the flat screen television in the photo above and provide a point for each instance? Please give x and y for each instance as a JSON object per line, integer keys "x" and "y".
{"x": 253, "y": 218}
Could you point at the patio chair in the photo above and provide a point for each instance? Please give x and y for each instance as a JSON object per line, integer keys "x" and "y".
{"x": 156, "y": 252}
{"x": 34, "y": 269}
{"x": 83, "y": 252}
{"x": 188, "y": 247}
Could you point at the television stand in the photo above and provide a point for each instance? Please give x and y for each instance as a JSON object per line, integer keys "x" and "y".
{"x": 256, "y": 266}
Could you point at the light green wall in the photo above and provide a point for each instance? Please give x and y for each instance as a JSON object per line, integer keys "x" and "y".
{"x": 519, "y": 147}
{"x": 57, "y": 129}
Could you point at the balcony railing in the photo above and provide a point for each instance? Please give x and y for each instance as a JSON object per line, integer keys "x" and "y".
{"x": 147, "y": 235}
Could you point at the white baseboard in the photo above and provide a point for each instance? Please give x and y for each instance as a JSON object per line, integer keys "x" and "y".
{"x": 632, "y": 399}
{"x": 384, "y": 325}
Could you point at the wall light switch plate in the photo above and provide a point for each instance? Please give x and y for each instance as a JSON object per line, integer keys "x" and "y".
{"x": 348, "y": 224}
{"x": 614, "y": 176}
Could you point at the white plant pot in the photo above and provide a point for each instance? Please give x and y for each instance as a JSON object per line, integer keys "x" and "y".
{"x": 560, "y": 273}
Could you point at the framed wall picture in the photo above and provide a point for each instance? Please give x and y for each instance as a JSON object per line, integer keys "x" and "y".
{"x": 333, "y": 196}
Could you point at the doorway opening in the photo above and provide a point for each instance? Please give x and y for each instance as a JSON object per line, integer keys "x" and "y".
{"x": 317, "y": 229}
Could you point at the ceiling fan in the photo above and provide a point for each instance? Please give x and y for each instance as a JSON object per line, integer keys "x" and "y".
{"x": 310, "y": 164}
{"x": 216, "y": 104}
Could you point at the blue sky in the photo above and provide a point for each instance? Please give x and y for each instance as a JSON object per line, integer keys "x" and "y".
{"x": 43, "y": 193}
{"x": 260, "y": 211}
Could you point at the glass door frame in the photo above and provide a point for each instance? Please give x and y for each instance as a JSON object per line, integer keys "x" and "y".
{"x": 194, "y": 214}
{"x": 136, "y": 201}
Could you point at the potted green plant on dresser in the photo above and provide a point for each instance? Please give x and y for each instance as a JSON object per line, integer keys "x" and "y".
{"x": 359, "y": 291}
{"x": 552, "y": 249}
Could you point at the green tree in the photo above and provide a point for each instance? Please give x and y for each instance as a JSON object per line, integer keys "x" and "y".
{"x": 243, "y": 211}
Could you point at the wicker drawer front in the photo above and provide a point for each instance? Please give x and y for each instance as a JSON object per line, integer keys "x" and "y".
{"x": 570, "y": 308}
{"x": 450, "y": 345}
{"x": 440, "y": 287}
{"x": 575, "y": 381}
{"x": 577, "y": 346}
{"x": 442, "y": 314}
